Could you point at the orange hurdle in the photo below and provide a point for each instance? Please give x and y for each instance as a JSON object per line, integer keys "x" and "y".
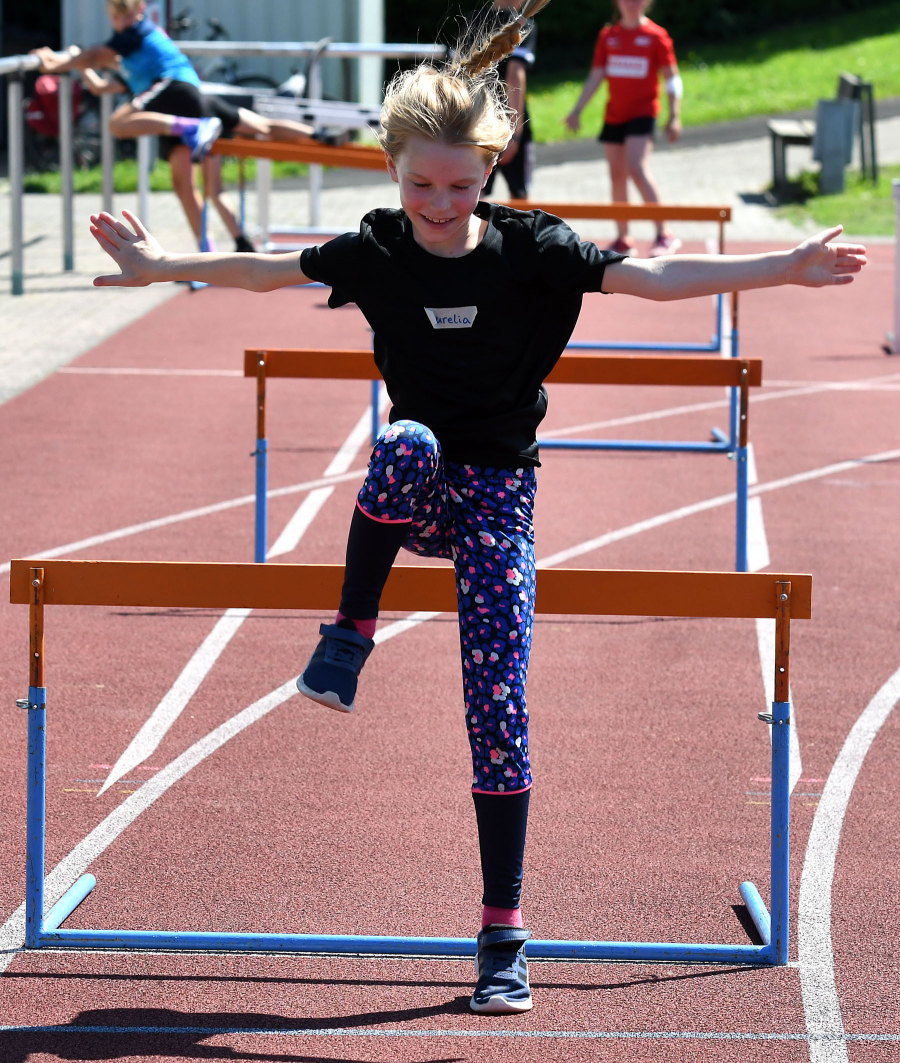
{"x": 739, "y": 374}
{"x": 39, "y": 583}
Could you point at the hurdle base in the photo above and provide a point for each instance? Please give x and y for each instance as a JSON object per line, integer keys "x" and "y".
{"x": 425, "y": 948}
{"x": 67, "y": 904}
{"x": 758, "y": 911}
{"x": 718, "y": 435}
{"x": 685, "y": 447}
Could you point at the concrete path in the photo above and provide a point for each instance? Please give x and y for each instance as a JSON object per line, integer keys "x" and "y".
{"x": 62, "y": 314}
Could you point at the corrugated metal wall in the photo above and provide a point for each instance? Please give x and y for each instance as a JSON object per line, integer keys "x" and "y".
{"x": 85, "y": 22}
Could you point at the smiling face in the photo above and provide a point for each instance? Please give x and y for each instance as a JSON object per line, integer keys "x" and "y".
{"x": 439, "y": 188}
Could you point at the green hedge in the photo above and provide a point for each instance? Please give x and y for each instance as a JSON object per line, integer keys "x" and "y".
{"x": 569, "y": 27}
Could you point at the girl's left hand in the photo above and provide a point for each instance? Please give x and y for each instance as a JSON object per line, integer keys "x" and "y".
{"x": 673, "y": 129}
{"x": 817, "y": 262}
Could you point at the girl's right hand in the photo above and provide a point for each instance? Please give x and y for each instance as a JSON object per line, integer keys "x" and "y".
{"x": 573, "y": 121}
{"x": 138, "y": 255}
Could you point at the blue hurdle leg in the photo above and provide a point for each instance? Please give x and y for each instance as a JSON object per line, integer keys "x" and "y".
{"x": 781, "y": 808}
{"x": 69, "y": 901}
{"x": 36, "y": 815}
{"x": 376, "y": 419}
{"x": 262, "y": 487}
{"x": 741, "y": 560}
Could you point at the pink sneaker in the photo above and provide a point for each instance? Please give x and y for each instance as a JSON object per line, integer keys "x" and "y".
{"x": 623, "y": 245}
{"x": 665, "y": 244}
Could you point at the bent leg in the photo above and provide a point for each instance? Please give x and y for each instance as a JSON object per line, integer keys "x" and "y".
{"x": 127, "y": 122}
{"x": 637, "y": 151}
{"x": 252, "y": 124}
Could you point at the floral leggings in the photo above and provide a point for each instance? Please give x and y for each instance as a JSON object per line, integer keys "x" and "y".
{"x": 481, "y": 518}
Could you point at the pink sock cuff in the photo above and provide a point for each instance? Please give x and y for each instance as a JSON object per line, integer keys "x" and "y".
{"x": 382, "y": 520}
{"x": 366, "y": 628}
{"x": 503, "y": 916}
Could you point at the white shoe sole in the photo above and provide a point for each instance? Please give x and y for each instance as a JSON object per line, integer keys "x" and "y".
{"x": 501, "y": 1006}
{"x": 330, "y": 700}
{"x": 202, "y": 147}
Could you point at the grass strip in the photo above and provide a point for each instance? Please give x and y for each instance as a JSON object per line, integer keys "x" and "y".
{"x": 770, "y": 74}
{"x": 863, "y": 208}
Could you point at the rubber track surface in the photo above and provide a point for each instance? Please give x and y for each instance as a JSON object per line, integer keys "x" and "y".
{"x": 652, "y": 770}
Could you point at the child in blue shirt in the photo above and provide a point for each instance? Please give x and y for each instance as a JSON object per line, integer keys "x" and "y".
{"x": 167, "y": 102}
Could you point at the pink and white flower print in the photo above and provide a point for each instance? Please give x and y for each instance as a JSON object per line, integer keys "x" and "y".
{"x": 482, "y": 519}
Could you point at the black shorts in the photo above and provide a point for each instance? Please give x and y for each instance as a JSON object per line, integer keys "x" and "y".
{"x": 185, "y": 100}
{"x": 615, "y": 133}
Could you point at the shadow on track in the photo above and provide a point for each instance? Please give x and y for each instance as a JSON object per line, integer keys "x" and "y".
{"x": 134, "y": 1033}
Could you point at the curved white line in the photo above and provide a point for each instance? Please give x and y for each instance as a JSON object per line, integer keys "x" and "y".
{"x": 821, "y": 1003}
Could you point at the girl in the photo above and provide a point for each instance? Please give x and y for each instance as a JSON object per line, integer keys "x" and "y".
{"x": 168, "y": 103}
{"x": 471, "y": 304}
{"x": 630, "y": 54}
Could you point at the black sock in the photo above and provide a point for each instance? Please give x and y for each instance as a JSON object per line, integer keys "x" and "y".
{"x": 502, "y": 823}
{"x": 372, "y": 546}
{"x": 241, "y": 243}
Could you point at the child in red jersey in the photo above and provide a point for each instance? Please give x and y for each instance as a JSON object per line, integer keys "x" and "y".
{"x": 630, "y": 54}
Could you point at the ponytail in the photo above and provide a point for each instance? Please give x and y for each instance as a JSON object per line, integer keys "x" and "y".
{"x": 462, "y": 102}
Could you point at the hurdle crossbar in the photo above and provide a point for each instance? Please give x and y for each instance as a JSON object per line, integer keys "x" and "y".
{"x": 38, "y": 583}
{"x": 739, "y": 374}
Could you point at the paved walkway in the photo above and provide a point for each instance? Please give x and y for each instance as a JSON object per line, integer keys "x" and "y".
{"x": 62, "y": 314}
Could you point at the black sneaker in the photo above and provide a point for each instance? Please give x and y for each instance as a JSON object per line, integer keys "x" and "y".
{"x": 241, "y": 243}
{"x": 331, "y": 676}
{"x": 502, "y": 987}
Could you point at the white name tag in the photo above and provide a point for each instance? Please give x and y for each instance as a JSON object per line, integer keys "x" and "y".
{"x": 627, "y": 66}
{"x": 451, "y": 316}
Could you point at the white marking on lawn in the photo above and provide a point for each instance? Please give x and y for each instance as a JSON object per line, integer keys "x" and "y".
{"x": 821, "y": 1003}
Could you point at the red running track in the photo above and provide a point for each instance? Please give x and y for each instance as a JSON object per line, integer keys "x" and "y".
{"x": 652, "y": 769}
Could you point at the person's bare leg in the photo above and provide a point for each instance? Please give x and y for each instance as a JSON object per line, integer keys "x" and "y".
{"x": 637, "y": 152}
{"x": 254, "y": 125}
{"x": 618, "y": 176}
{"x": 127, "y": 122}
{"x": 215, "y": 192}
{"x": 186, "y": 187}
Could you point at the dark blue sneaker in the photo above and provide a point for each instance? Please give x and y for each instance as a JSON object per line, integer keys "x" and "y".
{"x": 502, "y": 987}
{"x": 202, "y": 138}
{"x": 331, "y": 675}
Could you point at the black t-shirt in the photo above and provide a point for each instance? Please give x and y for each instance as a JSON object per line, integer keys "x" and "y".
{"x": 464, "y": 344}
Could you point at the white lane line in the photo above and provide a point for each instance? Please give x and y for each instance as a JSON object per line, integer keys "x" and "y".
{"x": 86, "y": 370}
{"x": 718, "y": 404}
{"x": 296, "y": 527}
{"x": 179, "y": 694}
{"x": 821, "y": 1003}
{"x": 161, "y": 720}
{"x": 446, "y": 1034}
{"x": 757, "y": 559}
{"x": 188, "y": 514}
{"x": 68, "y": 870}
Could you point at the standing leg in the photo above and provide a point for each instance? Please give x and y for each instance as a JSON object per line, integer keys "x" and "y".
{"x": 185, "y": 186}
{"x": 618, "y": 176}
{"x": 215, "y": 191}
{"x": 493, "y": 547}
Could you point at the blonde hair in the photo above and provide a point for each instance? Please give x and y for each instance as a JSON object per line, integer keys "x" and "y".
{"x": 461, "y": 102}
{"x": 125, "y": 6}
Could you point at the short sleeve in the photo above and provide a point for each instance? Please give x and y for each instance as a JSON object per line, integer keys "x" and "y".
{"x": 336, "y": 264}
{"x": 600, "y": 50}
{"x": 665, "y": 50}
{"x": 126, "y": 42}
{"x": 566, "y": 262}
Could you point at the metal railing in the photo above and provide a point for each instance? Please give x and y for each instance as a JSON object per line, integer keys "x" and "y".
{"x": 15, "y": 66}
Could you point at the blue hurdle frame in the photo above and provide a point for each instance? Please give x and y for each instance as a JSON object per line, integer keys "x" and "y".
{"x": 734, "y": 445}
{"x": 45, "y": 930}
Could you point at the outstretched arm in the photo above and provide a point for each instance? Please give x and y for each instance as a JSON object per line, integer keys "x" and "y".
{"x": 815, "y": 263}
{"x": 98, "y": 56}
{"x": 143, "y": 261}
{"x": 593, "y": 82}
